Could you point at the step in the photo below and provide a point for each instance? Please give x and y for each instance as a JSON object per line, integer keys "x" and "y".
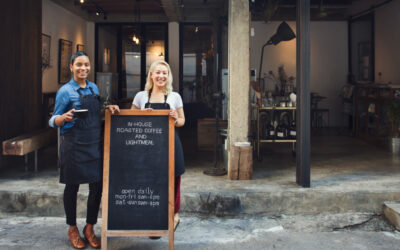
{"x": 392, "y": 213}
{"x": 216, "y": 203}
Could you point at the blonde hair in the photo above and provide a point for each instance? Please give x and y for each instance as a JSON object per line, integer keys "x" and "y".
{"x": 149, "y": 81}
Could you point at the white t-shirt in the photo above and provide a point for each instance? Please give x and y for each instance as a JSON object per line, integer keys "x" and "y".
{"x": 174, "y": 100}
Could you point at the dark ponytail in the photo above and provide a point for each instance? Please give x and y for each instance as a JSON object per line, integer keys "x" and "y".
{"x": 77, "y": 54}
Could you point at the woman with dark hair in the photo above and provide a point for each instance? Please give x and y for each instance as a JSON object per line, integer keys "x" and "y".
{"x": 158, "y": 95}
{"x": 81, "y": 146}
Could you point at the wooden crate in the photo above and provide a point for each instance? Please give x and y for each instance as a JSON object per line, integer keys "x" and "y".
{"x": 206, "y": 133}
{"x": 241, "y": 167}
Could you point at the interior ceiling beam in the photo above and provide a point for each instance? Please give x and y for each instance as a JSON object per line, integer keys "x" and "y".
{"x": 129, "y": 18}
{"x": 316, "y": 6}
{"x": 72, "y": 7}
{"x": 129, "y": 10}
{"x": 118, "y": 4}
{"x": 119, "y": 8}
{"x": 173, "y": 10}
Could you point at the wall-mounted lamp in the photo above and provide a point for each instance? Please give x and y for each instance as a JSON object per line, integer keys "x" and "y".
{"x": 284, "y": 33}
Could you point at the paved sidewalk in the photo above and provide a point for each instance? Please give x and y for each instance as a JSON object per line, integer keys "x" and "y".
{"x": 285, "y": 232}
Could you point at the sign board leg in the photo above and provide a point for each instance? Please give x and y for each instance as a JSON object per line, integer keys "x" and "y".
{"x": 103, "y": 242}
{"x": 171, "y": 240}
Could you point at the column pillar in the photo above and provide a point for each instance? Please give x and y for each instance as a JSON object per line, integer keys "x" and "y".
{"x": 303, "y": 93}
{"x": 173, "y": 52}
{"x": 239, "y": 72}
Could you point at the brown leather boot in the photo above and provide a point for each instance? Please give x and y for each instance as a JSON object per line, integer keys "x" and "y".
{"x": 90, "y": 236}
{"x": 75, "y": 238}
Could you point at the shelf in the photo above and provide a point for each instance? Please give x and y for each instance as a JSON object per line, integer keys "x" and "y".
{"x": 272, "y": 110}
{"x": 283, "y": 140}
{"x": 372, "y": 126}
{"x": 277, "y": 108}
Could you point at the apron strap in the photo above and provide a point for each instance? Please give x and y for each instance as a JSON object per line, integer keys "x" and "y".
{"x": 80, "y": 93}
{"x": 148, "y": 104}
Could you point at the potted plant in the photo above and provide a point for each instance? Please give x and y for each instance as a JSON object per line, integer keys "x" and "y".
{"x": 393, "y": 114}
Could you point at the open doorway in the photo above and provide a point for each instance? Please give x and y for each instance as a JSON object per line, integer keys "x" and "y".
{"x": 198, "y": 82}
{"x": 124, "y": 53}
{"x": 197, "y": 71}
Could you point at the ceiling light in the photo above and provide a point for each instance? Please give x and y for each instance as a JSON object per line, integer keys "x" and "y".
{"x": 82, "y": 1}
{"x": 135, "y": 39}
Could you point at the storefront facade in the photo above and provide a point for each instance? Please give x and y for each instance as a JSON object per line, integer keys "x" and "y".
{"x": 199, "y": 40}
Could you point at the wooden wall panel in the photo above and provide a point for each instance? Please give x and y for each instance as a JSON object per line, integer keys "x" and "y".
{"x": 20, "y": 65}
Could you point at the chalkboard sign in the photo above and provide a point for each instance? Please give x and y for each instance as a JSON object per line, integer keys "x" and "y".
{"x": 138, "y": 180}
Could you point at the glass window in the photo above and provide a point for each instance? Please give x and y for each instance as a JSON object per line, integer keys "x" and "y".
{"x": 126, "y": 51}
{"x": 198, "y": 60}
{"x": 155, "y": 44}
{"x": 131, "y": 41}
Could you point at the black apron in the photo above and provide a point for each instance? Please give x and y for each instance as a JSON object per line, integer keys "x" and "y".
{"x": 81, "y": 146}
{"x": 179, "y": 160}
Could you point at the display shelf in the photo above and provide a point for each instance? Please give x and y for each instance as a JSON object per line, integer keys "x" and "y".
{"x": 259, "y": 141}
{"x": 279, "y": 141}
{"x": 277, "y": 108}
{"x": 371, "y": 104}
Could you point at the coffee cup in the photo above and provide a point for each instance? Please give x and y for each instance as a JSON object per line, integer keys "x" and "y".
{"x": 81, "y": 113}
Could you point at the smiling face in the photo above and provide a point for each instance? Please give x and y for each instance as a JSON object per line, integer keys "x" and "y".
{"x": 159, "y": 76}
{"x": 80, "y": 68}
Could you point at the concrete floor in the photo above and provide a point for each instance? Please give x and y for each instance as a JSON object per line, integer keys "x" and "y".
{"x": 342, "y": 209}
{"x": 340, "y": 231}
{"x": 347, "y": 175}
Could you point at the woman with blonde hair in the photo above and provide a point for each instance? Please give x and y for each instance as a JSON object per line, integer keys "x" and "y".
{"x": 158, "y": 95}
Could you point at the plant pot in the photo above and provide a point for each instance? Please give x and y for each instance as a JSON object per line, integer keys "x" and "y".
{"x": 394, "y": 145}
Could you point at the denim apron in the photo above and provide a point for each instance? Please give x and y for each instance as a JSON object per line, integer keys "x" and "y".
{"x": 179, "y": 160}
{"x": 81, "y": 147}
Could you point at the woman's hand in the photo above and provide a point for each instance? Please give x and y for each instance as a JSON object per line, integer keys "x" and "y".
{"x": 173, "y": 114}
{"x": 113, "y": 108}
{"x": 68, "y": 116}
{"x": 179, "y": 116}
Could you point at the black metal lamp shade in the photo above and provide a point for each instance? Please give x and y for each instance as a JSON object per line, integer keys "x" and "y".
{"x": 284, "y": 33}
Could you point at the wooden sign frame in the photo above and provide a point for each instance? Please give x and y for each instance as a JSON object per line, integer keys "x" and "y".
{"x": 171, "y": 180}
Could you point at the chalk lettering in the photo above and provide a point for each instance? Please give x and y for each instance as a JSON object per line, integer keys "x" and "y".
{"x": 140, "y": 136}
{"x": 153, "y": 130}
{"x": 139, "y": 142}
{"x": 137, "y": 197}
{"x": 129, "y": 130}
{"x": 143, "y": 124}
